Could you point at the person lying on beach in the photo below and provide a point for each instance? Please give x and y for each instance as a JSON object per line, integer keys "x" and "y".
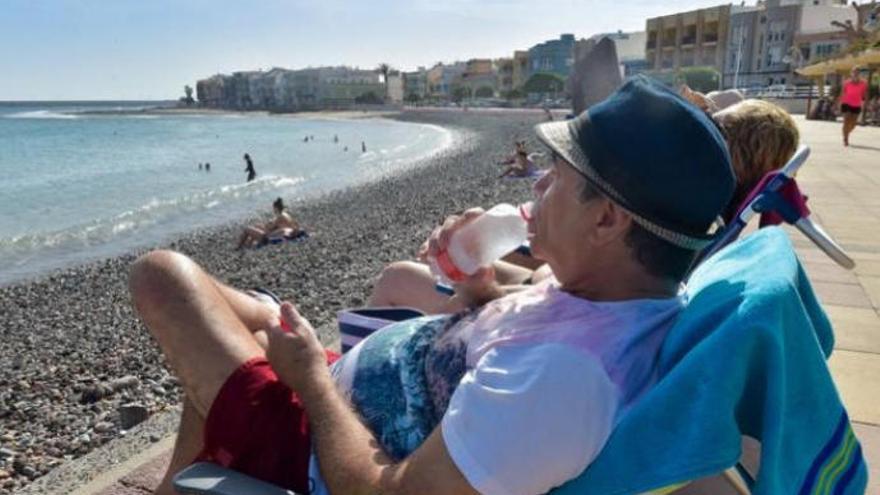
{"x": 760, "y": 136}
{"x": 283, "y": 225}
{"x": 448, "y": 405}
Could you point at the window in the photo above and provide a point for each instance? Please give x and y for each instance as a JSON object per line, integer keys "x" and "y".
{"x": 774, "y": 55}
{"x": 777, "y": 30}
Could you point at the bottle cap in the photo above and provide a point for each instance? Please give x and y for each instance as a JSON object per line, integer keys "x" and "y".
{"x": 444, "y": 262}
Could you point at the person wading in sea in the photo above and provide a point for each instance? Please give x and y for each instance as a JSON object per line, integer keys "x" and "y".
{"x": 252, "y": 174}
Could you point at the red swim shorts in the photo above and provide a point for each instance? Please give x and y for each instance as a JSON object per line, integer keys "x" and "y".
{"x": 257, "y": 426}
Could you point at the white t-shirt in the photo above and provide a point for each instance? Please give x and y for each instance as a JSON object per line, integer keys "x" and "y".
{"x": 526, "y": 391}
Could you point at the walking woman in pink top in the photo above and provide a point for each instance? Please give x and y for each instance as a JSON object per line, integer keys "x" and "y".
{"x": 855, "y": 89}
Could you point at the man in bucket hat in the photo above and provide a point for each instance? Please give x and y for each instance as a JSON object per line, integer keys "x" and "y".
{"x": 516, "y": 397}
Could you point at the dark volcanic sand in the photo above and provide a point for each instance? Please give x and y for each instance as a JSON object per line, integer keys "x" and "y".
{"x": 72, "y": 351}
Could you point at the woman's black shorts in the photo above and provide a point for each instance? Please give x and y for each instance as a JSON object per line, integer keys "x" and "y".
{"x": 844, "y": 108}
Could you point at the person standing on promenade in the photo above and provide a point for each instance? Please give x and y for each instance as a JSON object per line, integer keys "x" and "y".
{"x": 252, "y": 174}
{"x": 852, "y": 98}
{"x": 363, "y": 147}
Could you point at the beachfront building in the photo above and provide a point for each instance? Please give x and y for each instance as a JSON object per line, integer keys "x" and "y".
{"x": 520, "y": 68}
{"x": 768, "y": 41}
{"x": 266, "y": 87}
{"x": 479, "y": 78}
{"x": 689, "y": 39}
{"x": 290, "y": 90}
{"x": 285, "y": 92}
{"x": 553, "y": 56}
{"x": 210, "y": 91}
{"x": 504, "y": 71}
{"x": 341, "y": 87}
{"x": 239, "y": 95}
{"x": 442, "y": 78}
{"x": 415, "y": 84}
{"x": 394, "y": 87}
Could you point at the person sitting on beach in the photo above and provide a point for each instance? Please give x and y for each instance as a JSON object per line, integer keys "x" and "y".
{"x": 520, "y": 164}
{"x": 282, "y": 226}
{"x": 448, "y": 405}
{"x": 761, "y": 138}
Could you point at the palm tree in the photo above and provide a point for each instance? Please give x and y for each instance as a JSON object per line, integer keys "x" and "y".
{"x": 384, "y": 69}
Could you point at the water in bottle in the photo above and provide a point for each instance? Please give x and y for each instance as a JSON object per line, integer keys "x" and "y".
{"x": 497, "y": 232}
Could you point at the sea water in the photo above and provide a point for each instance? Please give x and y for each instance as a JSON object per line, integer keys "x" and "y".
{"x": 82, "y": 181}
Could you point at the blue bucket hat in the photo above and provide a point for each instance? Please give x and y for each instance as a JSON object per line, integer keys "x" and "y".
{"x": 653, "y": 153}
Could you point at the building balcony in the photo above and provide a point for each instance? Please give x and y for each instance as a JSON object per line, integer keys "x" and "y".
{"x": 651, "y": 44}
{"x": 688, "y": 40}
{"x": 710, "y": 38}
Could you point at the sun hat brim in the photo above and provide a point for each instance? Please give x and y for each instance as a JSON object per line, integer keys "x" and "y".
{"x": 562, "y": 138}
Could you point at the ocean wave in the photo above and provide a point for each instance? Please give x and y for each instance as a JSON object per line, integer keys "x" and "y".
{"x": 154, "y": 213}
{"x": 40, "y": 114}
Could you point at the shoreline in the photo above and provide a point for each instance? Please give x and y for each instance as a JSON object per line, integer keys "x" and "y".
{"x": 74, "y": 352}
{"x": 312, "y": 114}
{"x": 33, "y": 255}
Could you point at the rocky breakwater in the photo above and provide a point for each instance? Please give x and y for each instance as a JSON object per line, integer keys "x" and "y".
{"x": 78, "y": 369}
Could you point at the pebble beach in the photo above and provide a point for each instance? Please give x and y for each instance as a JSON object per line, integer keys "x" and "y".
{"x": 78, "y": 369}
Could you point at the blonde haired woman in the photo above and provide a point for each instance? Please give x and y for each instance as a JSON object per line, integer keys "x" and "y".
{"x": 761, "y": 138}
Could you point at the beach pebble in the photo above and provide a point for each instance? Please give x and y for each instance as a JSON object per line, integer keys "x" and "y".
{"x": 103, "y": 427}
{"x": 78, "y": 356}
{"x": 128, "y": 381}
{"x": 131, "y": 415}
{"x": 94, "y": 393}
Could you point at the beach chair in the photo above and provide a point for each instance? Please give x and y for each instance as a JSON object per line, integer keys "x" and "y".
{"x": 746, "y": 357}
{"x": 777, "y": 199}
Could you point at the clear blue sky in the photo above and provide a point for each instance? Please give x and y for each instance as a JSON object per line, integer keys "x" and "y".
{"x": 148, "y": 49}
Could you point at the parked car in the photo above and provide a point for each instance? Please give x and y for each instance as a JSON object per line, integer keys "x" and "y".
{"x": 779, "y": 91}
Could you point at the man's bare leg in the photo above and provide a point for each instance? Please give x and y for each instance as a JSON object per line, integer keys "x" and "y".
{"x": 199, "y": 332}
{"x": 256, "y": 315}
{"x": 187, "y": 446}
{"x": 250, "y": 236}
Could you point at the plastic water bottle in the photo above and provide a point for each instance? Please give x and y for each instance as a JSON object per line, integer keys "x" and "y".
{"x": 497, "y": 232}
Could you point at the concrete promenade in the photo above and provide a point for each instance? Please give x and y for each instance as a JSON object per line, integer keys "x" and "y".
{"x": 844, "y": 189}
